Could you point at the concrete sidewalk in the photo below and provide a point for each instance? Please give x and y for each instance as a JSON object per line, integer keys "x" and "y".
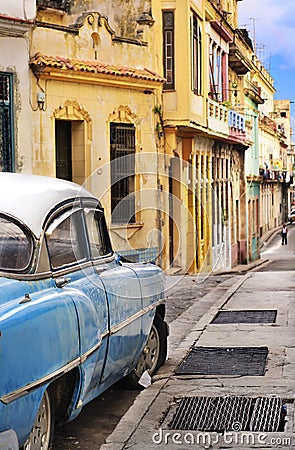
{"x": 146, "y": 424}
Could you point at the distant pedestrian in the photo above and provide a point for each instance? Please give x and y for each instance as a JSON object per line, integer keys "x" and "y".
{"x": 284, "y": 234}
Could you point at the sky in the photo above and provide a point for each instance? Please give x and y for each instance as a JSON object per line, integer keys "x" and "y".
{"x": 271, "y": 24}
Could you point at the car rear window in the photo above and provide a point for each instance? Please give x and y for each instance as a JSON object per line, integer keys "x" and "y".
{"x": 16, "y": 246}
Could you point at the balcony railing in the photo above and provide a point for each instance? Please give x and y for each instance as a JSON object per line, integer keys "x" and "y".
{"x": 236, "y": 120}
{"x": 226, "y": 121}
{"x": 62, "y": 5}
{"x": 217, "y": 117}
{"x": 273, "y": 174}
{"x": 237, "y": 59}
{"x": 253, "y": 91}
{"x": 237, "y": 125}
{"x": 268, "y": 122}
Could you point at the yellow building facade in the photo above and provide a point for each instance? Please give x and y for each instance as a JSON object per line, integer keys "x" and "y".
{"x": 204, "y": 137}
{"x": 94, "y": 94}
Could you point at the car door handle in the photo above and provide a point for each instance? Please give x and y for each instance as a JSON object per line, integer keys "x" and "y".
{"x": 100, "y": 269}
{"x": 62, "y": 281}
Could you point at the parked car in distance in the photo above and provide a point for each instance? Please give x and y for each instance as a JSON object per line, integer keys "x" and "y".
{"x": 291, "y": 215}
{"x": 73, "y": 318}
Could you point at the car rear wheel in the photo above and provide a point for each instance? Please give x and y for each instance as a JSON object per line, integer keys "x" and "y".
{"x": 154, "y": 353}
{"x": 41, "y": 437}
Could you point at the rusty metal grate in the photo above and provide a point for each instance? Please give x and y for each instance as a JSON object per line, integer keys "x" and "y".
{"x": 247, "y": 316}
{"x": 264, "y": 414}
{"x": 242, "y": 361}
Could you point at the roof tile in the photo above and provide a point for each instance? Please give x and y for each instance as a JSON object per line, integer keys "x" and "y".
{"x": 40, "y": 62}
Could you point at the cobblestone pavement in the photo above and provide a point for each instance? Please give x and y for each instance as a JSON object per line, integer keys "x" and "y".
{"x": 184, "y": 291}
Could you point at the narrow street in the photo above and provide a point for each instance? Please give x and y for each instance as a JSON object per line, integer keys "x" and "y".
{"x": 281, "y": 256}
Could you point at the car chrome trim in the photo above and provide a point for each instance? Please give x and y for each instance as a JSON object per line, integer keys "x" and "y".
{"x": 110, "y": 257}
{"x": 14, "y": 395}
{"x": 18, "y": 393}
{"x": 27, "y": 277}
{"x": 45, "y": 275}
{"x": 58, "y": 272}
{"x": 135, "y": 316}
{"x": 8, "y": 398}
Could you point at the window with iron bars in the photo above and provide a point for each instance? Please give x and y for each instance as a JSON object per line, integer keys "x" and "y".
{"x": 6, "y": 123}
{"x": 122, "y": 144}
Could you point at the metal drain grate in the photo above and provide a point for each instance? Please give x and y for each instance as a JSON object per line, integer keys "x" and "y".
{"x": 247, "y": 316}
{"x": 229, "y": 413}
{"x": 240, "y": 361}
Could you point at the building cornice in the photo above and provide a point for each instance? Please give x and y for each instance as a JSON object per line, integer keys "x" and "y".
{"x": 94, "y": 72}
{"x": 14, "y": 26}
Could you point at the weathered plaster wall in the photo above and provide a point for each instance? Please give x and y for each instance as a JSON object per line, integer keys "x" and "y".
{"x": 16, "y": 63}
{"x": 122, "y": 14}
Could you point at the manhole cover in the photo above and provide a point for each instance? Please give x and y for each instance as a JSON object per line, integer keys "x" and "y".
{"x": 241, "y": 361}
{"x": 264, "y": 414}
{"x": 247, "y": 316}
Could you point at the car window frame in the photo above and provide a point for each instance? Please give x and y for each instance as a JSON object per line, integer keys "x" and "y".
{"x": 52, "y": 225}
{"x": 104, "y": 235}
{"x": 30, "y": 236}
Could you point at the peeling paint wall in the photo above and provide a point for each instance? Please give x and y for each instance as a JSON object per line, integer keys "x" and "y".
{"x": 14, "y": 56}
{"x": 122, "y": 14}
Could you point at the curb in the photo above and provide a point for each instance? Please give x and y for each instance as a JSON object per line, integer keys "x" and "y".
{"x": 244, "y": 268}
{"x": 269, "y": 236}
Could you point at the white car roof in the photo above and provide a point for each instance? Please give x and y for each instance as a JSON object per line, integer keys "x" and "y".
{"x": 31, "y": 197}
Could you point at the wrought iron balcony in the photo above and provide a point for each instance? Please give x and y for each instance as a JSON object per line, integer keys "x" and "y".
{"x": 268, "y": 123}
{"x": 238, "y": 58}
{"x": 253, "y": 91}
{"x": 62, "y": 5}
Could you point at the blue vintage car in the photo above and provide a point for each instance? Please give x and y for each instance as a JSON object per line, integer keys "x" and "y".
{"x": 73, "y": 318}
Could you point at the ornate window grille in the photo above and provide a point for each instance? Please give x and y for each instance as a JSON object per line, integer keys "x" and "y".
{"x": 122, "y": 143}
{"x": 6, "y": 123}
